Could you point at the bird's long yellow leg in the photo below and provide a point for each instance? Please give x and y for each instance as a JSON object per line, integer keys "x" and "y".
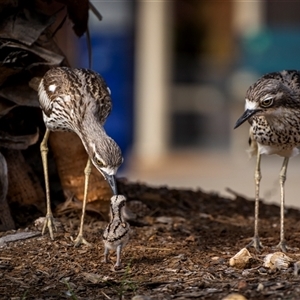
{"x": 257, "y": 177}
{"x": 49, "y": 220}
{"x": 87, "y": 172}
{"x": 282, "y": 177}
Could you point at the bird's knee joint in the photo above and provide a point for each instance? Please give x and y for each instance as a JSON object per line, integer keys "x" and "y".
{"x": 44, "y": 148}
{"x": 282, "y": 178}
{"x": 87, "y": 171}
{"x": 257, "y": 176}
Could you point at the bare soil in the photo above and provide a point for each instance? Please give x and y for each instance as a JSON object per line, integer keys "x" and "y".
{"x": 180, "y": 248}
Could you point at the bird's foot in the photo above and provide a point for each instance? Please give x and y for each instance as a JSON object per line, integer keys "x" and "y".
{"x": 80, "y": 240}
{"x": 256, "y": 244}
{"x": 50, "y": 223}
{"x": 118, "y": 266}
{"x": 283, "y": 246}
{"x": 106, "y": 260}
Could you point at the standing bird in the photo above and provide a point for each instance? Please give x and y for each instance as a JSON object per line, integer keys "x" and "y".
{"x": 116, "y": 233}
{"x": 273, "y": 111}
{"x": 78, "y": 100}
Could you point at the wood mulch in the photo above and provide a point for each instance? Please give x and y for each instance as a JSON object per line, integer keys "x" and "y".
{"x": 180, "y": 247}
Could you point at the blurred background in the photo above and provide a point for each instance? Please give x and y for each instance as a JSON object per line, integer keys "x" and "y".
{"x": 179, "y": 71}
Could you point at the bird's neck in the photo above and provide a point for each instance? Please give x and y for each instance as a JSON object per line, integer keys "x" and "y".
{"x": 116, "y": 213}
{"x": 90, "y": 132}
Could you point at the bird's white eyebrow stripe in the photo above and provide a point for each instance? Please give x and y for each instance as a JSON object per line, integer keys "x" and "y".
{"x": 250, "y": 104}
{"x": 267, "y": 97}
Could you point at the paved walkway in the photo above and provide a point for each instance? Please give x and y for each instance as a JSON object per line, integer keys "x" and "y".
{"x": 216, "y": 171}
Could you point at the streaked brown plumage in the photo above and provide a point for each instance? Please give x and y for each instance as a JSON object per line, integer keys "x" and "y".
{"x": 78, "y": 100}
{"x": 273, "y": 111}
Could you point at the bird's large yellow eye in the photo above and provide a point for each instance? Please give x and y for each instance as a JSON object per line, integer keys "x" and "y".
{"x": 99, "y": 162}
{"x": 266, "y": 102}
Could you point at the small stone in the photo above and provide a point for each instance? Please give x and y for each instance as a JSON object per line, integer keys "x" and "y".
{"x": 241, "y": 260}
{"x": 277, "y": 261}
{"x": 234, "y": 296}
{"x": 260, "y": 287}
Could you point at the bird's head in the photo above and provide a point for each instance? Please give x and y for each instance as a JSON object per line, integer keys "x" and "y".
{"x": 118, "y": 201}
{"x": 268, "y": 97}
{"x": 107, "y": 158}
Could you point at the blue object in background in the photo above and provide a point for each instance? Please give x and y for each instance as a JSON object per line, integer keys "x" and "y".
{"x": 112, "y": 54}
{"x": 272, "y": 49}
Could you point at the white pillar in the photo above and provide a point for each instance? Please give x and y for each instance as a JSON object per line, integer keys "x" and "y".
{"x": 248, "y": 19}
{"x": 248, "y": 16}
{"x": 152, "y": 78}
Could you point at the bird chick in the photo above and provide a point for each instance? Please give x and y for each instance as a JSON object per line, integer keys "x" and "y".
{"x": 116, "y": 233}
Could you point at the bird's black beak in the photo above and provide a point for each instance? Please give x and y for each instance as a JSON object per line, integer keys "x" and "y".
{"x": 246, "y": 115}
{"x": 111, "y": 179}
